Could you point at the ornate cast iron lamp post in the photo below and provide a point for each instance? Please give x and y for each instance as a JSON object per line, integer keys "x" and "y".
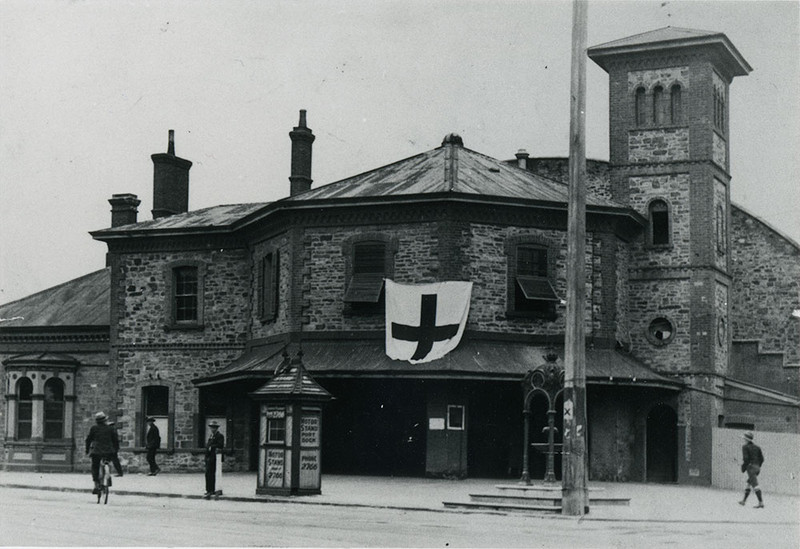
{"x": 547, "y": 380}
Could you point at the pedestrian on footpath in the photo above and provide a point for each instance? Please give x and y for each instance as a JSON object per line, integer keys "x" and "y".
{"x": 100, "y": 444}
{"x": 115, "y": 459}
{"x": 152, "y": 443}
{"x": 215, "y": 443}
{"x": 752, "y": 458}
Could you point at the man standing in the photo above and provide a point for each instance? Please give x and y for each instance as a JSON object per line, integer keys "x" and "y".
{"x": 752, "y": 458}
{"x": 100, "y": 443}
{"x": 216, "y": 442}
{"x": 115, "y": 459}
{"x": 152, "y": 443}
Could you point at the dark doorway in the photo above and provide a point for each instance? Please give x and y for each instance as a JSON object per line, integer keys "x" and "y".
{"x": 374, "y": 427}
{"x": 494, "y": 430}
{"x": 662, "y": 444}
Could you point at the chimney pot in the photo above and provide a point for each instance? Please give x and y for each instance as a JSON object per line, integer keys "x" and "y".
{"x": 522, "y": 159}
{"x": 171, "y": 144}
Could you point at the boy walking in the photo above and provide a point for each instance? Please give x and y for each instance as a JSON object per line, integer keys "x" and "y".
{"x": 752, "y": 458}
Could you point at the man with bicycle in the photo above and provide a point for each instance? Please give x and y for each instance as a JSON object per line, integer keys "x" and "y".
{"x": 101, "y": 443}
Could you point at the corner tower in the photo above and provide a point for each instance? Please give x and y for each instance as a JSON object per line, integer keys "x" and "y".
{"x": 669, "y": 161}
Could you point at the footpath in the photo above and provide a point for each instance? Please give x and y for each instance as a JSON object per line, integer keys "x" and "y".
{"x": 652, "y": 503}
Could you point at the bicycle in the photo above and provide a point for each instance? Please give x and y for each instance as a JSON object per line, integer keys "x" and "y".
{"x": 105, "y": 480}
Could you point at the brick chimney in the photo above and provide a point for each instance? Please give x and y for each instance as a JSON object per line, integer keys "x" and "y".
{"x": 302, "y": 138}
{"x": 170, "y": 182}
{"x": 123, "y": 209}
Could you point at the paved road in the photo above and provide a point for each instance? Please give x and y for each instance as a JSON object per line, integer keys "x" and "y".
{"x": 34, "y": 517}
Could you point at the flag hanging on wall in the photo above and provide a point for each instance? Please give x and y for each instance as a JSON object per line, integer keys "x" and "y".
{"x": 425, "y": 321}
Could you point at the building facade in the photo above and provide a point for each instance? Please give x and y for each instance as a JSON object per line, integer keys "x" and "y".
{"x": 197, "y": 310}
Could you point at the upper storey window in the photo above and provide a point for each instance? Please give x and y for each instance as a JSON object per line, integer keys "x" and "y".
{"x": 641, "y": 107}
{"x": 719, "y": 109}
{"x": 269, "y": 272}
{"x": 365, "y": 288}
{"x": 675, "y": 104}
{"x": 533, "y": 292}
{"x": 658, "y": 106}
{"x": 185, "y": 309}
{"x": 659, "y": 223}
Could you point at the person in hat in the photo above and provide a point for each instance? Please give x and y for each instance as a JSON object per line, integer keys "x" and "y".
{"x": 752, "y": 458}
{"x": 115, "y": 459}
{"x": 215, "y": 443}
{"x": 101, "y": 442}
{"x": 152, "y": 444}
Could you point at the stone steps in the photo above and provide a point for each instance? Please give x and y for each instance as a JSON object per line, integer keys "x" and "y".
{"x": 529, "y": 498}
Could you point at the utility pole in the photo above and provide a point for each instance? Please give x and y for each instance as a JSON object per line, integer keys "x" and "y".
{"x": 574, "y": 492}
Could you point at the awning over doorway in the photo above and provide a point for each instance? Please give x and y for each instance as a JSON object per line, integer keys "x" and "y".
{"x": 473, "y": 359}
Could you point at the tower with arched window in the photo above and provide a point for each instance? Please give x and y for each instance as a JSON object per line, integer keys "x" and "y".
{"x": 669, "y": 162}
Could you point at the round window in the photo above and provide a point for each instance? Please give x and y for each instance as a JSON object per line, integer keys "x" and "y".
{"x": 661, "y": 331}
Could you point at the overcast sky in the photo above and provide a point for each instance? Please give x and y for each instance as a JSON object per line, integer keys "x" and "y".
{"x": 89, "y": 90}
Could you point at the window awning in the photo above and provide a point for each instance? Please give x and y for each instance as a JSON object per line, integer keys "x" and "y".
{"x": 364, "y": 288}
{"x": 537, "y": 288}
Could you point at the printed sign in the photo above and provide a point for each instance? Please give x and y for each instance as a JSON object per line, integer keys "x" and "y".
{"x": 309, "y": 431}
{"x": 275, "y": 467}
{"x": 309, "y": 469}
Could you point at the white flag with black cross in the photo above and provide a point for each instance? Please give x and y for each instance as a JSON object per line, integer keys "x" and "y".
{"x": 424, "y": 322}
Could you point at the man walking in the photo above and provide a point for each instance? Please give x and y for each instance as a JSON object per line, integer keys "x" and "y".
{"x": 152, "y": 443}
{"x": 101, "y": 443}
{"x": 752, "y": 458}
{"x": 215, "y": 443}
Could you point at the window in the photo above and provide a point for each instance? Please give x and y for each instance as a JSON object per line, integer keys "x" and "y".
{"x": 533, "y": 291}
{"x": 184, "y": 281}
{"x": 720, "y": 229}
{"x": 719, "y": 109}
{"x": 365, "y": 289}
{"x": 53, "y": 409}
{"x": 659, "y": 223}
{"x": 658, "y": 105}
{"x": 641, "y": 112}
{"x": 185, "y": 294}
{"x": 276, "y": 424}
{"x": 155, "y": 404}
{"x": 660, "y": 331}
{"x": 24, "y": 409}
{"x": 455, "y": 417}
{"x": 675, "y": 104}
{"x": 269, "y": 286}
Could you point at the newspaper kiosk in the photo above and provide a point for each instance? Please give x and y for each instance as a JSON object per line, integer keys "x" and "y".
{"x": 290, "y": 431}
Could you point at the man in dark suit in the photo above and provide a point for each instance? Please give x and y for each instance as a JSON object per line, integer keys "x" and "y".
{"x": 152, "y": 443}
{"x": 752, "y": 458}
{"x": 214, "y": 445}
{"x": 101, "y": 442}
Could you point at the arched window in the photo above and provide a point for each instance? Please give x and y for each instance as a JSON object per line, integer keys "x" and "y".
{"x": 658, "y": 105}
{"x": 24, "y": 409}
{"x": 53, "y": 409}
{"x": 720, "y": 226}
{"x": 659, "y": 223}
{"x": 641, "y": 111}
{"x": 675, "y": 104}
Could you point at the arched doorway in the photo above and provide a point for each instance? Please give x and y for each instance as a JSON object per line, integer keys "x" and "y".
{"x": 662, "y": 444}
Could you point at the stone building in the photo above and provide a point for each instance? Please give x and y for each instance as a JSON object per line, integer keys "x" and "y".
{"x": 689, "y": 301}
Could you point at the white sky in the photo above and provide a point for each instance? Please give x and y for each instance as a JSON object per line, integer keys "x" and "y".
{"x": 89, "y": 89}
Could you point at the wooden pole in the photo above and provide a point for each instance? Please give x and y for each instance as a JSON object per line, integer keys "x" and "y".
{"x": 574, "y": 497}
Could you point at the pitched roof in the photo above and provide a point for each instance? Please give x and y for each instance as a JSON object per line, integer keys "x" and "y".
{"x": 672, "y": 37}
{"x": 83, "y": 301}
{"x": 450, "y": 168}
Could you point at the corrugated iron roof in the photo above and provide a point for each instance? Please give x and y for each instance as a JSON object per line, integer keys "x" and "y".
{"x": 468, "y": 173}
{"x": 83, "y": 301}
{"x": 215, "y": 216}
{"x": 479, "y": 358}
